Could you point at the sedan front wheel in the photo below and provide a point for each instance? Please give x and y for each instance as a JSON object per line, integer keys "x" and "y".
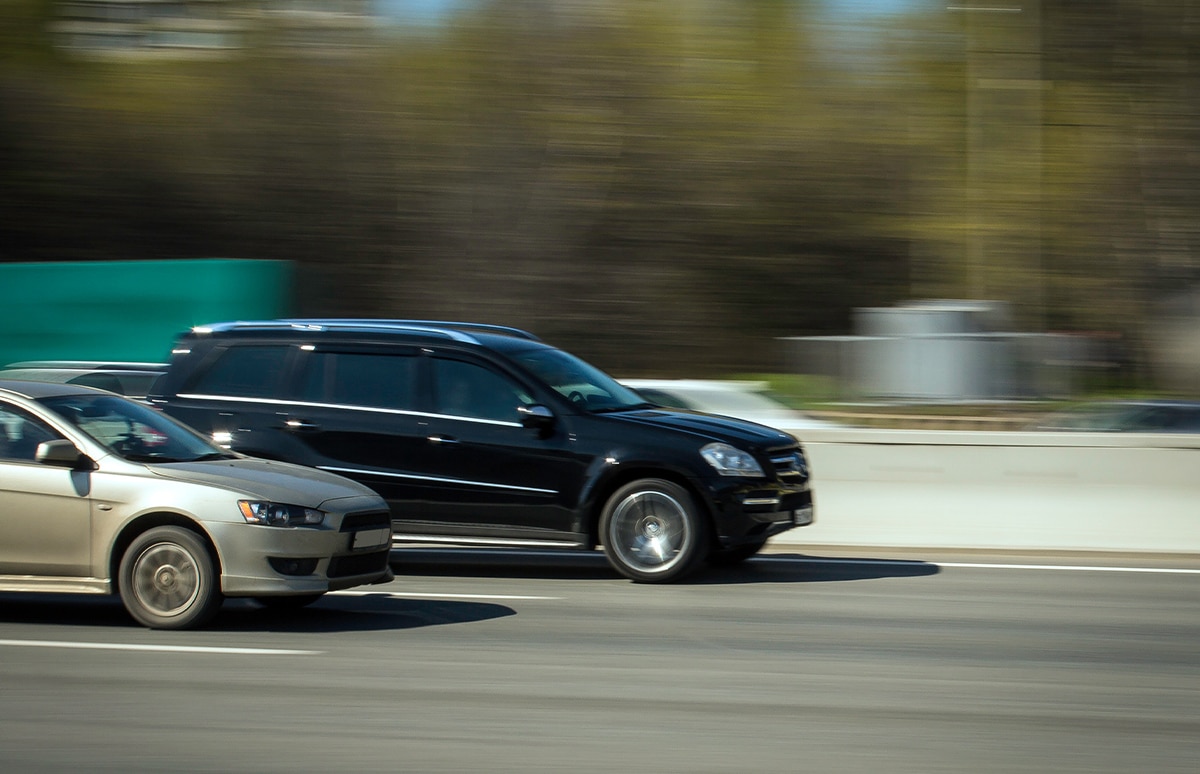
{"x": 169, "y": 579}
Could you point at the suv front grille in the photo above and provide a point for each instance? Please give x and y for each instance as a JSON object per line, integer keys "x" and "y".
{"x": 790, "y": 466}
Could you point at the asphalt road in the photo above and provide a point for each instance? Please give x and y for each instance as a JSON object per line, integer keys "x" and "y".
{"x": 828, "y": 663}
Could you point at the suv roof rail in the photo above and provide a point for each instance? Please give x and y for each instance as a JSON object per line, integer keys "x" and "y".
{"x": 423, "y": 324}
{"x": 456, "y": 331}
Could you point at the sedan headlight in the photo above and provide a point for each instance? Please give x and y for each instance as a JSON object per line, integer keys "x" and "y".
{"x": 731, "y": 461}
{"x": 279, "y": 515}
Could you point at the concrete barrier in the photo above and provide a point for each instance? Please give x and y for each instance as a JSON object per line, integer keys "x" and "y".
{"x": 1003, "y": 490}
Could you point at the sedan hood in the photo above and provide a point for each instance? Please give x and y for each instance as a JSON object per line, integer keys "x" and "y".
{"x": 710, "y": 426}
{"x": 265, "y": 479}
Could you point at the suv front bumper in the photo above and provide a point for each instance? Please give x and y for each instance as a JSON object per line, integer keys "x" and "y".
{"x": 752, "y": 512}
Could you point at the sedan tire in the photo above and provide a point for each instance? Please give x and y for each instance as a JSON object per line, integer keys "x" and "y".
{"x": 653, "y": 532}
{"x": 169, "y": 579}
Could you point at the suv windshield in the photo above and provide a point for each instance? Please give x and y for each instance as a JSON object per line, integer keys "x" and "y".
{"x": 133, "y": 431}
{"x": 583, "y": 384}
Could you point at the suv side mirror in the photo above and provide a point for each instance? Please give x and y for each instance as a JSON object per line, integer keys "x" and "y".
{"x": 62, "y": 454}
{"x": 536, "y": 417}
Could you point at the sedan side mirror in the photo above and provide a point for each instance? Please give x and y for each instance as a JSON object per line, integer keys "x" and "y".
{"x": 537, "y": 417}
{"x": 63, "y": 454}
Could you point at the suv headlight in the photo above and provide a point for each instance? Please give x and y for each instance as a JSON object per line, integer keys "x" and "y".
{"x": 731, "y": 461}
{"x": 279, "y": 515}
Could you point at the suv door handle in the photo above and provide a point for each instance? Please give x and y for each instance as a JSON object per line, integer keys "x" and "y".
{"x": 442, "y": 439}
{"x": 302, "y": 425}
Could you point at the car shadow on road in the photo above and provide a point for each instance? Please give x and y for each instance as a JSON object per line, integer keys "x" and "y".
{"x": 501, "y": 563}
{"x": 362, "y": 612}
{"x": 367, "y": 611}
{"x": 772, "y": 567}
{"x": 803, "y": 568}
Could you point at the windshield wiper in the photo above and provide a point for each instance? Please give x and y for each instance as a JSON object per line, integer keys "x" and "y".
{"x": 214, "y": 456}
{"x": 628, "y": 407}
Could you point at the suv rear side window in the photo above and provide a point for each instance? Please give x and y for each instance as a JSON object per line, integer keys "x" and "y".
{"x": 244, "y": 372}
{"x": 360, "y": 379}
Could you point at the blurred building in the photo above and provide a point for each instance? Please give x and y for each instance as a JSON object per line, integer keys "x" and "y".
{"x": 943, "y": 351}
{"x": 182, "y": 28}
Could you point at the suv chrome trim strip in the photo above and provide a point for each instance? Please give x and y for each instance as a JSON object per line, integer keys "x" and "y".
{"x": 463, "y": 540}
{"x": 346, "y": 406}
{"x": 411, "y": 477}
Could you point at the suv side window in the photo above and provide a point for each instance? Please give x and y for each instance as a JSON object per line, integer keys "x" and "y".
{"x": 244, "y": 372}
{"x": 360, "y": 379}
{"x": 464, "y": 389}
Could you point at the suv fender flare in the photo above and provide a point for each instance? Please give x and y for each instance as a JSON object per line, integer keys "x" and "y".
{"x": 609, "y": 472}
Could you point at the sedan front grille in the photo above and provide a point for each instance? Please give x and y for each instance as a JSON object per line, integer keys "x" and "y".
{"x": 352, "y": 522}
{"x": 362, "y": 564}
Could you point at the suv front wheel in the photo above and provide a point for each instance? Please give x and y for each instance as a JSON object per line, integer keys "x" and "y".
{"x": 652, "y": 531}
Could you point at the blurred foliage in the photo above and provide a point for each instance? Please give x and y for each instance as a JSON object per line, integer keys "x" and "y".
{"x": 799, "y": 391}
{"x": 661, "y": 187}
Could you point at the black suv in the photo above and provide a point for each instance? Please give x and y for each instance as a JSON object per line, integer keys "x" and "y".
{"x": 483, "y": 435}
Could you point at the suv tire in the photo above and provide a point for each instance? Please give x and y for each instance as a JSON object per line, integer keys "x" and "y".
{"x": 652, "y": 531}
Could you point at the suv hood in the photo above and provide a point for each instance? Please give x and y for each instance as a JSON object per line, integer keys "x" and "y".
{"x": 709, "y": 426}
{"x": 264, "y": 479}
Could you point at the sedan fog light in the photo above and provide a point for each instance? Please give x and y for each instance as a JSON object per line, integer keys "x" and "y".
{"x": 288, "y": 566}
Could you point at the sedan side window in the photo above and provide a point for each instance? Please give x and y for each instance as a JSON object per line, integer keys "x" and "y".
{"x": 20, "y": 434}
{"x": 464, "y": 389}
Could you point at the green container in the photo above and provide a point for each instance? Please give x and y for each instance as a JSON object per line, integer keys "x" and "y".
{"x": 129, "y": 310}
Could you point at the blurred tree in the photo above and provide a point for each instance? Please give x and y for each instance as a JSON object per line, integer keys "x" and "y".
{"x": 663, "y": 187}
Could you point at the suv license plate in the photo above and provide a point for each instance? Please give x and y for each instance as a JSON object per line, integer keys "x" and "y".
{"x": 370, "y": 538}
{"x": 803, "y": 516}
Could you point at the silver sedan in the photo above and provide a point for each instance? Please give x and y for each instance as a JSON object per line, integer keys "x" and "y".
{"x": 100, "y": 494}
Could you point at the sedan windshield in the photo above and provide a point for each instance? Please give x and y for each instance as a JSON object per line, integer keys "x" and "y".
{"x": 131, "y": 430}
{"x": 583, "y": 384}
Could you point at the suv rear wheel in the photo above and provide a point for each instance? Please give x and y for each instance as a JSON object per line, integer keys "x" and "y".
{"x": 652, "y": 531}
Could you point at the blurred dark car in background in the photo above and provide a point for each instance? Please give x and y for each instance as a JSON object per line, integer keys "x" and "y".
{"x": 746, "y": 400}
{"x": 130, "y": 379}
{"x": 1126, "y": 416}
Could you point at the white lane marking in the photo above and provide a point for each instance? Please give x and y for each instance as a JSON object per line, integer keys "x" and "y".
{"x": 1070, "y": 568}
{"x": 157, "y": 648}
{"x": 431, "y": 595}
{"x": 987, "y": 566}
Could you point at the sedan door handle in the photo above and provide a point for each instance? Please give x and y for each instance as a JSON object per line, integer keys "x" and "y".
{"x": 302, "y": 425}
{"x": 442, "y": 439}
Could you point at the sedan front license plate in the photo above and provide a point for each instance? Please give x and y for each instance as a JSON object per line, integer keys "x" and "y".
{"x": 371, "y": 538}
{"x": 803, "y": 516}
